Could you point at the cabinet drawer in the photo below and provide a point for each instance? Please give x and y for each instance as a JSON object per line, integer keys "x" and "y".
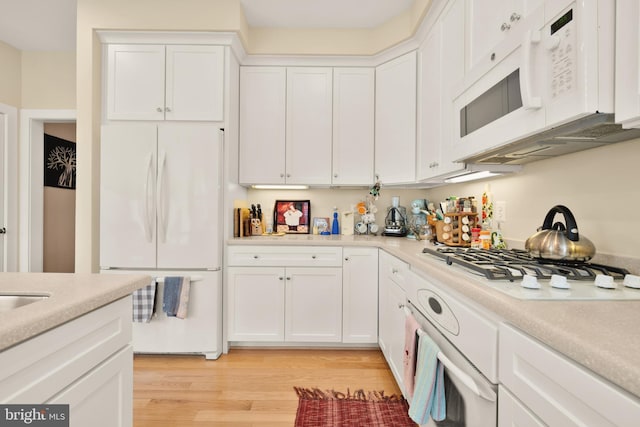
{"x": 394, "y": 269}
{"x": 289, "y": 256}
{"x": 558, "y": 390}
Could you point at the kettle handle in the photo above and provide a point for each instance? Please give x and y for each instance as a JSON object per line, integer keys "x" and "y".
{"x": 569, "y": 219}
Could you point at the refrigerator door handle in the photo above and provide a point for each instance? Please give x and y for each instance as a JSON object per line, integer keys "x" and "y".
{"x": 162, "y": 226}
{"x": 148, "y": 232}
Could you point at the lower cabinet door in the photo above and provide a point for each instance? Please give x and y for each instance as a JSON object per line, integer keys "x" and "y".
{"x": 313, "y": 304}
{"x": 104, "y": 396}
{"x": 511, "y": 412}
{"x": 255, "y": 303}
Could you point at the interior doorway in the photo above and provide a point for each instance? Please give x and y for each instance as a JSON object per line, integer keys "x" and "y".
{"x": 59, "y": 198}
{"x": 32, "y": 125}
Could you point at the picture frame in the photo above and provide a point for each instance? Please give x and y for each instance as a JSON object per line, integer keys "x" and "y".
{"x": 292, "y": 216}
{"x": 321, "y": 224}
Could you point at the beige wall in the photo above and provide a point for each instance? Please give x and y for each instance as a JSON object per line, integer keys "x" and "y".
{"x": 599, "y": 186}
{"x": 10, "y": 75}
{"x": 49, "y": 80}
{"x": 59, "y": 214}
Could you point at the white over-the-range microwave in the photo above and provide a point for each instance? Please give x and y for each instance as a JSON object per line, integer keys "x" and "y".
{"x": 544, "y": 91}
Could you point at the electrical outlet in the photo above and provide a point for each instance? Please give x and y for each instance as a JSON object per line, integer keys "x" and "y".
{"x": 500, "y": 211}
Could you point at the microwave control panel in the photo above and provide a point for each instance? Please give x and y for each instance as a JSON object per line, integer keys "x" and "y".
{"x": 562, "y": 48}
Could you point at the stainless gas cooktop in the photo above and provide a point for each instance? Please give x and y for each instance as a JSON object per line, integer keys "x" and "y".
{"x": 519, "y": 275}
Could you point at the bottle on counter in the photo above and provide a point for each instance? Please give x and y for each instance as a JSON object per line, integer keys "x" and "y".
{"x": 335, "y": 226}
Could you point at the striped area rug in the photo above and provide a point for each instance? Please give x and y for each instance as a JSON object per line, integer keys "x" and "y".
{"x": 321, "y": 408}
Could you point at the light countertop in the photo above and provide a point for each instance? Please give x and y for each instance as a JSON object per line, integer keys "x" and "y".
{"x": 600, "y": 335}
{"x": 70, "y": 296}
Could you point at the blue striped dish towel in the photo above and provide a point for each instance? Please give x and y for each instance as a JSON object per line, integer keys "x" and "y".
{"x": 143, "y": 303}
{"x": 428, "y": 395}
{"x": 175, "y": 297}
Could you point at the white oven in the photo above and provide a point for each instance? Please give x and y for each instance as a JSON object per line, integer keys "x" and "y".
{"x": 556, "y": 67}
{"x": 468, "y": 342}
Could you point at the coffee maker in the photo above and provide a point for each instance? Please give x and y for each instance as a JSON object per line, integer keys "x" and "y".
{"x": 395, "y": 223}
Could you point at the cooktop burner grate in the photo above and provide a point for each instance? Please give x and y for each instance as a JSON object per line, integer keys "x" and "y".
{"x": 512, "y": 264}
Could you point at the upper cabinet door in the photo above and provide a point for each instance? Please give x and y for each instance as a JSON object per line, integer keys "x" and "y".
{"x": 627, "y": 78}
{"x": 491, "y": 22}
{"x": 262, "y": 125}
{"x": 309, "y": 125}
{"x": 395, "y": 145}
{"x": 144, "y": 85}
{"x": 195, "y": 83}
{"x": 353, "y": 126}
{"x": 135, "y": 82}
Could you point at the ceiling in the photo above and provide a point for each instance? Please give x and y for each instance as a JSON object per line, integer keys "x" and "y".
{"x": 49, "y": 25}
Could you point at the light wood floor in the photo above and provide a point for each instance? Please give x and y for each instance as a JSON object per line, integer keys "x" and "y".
{"x": 247, "y": 387}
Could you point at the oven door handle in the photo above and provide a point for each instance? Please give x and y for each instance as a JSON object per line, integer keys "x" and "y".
{"x": 464, "y": 378}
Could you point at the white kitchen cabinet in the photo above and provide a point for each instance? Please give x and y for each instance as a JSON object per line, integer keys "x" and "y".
{"x": 392, "y": 299}
{"x": 255, "y": 303}
{"x": 511, "y": 412}
{"x": 395, "y": 120}
{"x": 284, "y": 294}
{"x": 160, "y": 196}
{"x": 285, "y": 125}
{"x": 293, "y": 304}
{"x": 309, "y": 125}
{"x": 263, "y": 112}
{"x": 360, "y": 295}
{"x": 158, "y": 82}
{"x": 627, "y": 69}
{"x": 353, "y": 126}
{"x": 557, "y": 390}
{"x": 104, "y": 396}
{"x": 491, "y": 22}
{"x": 313, "y": 304}
{"x": 86, "y": 363}
{"x": 440, "y": 67}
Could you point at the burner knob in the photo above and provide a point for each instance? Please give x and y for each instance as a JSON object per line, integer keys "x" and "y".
{"x": 559, "y": 282}
{"x": 530, "y": 282}
{"x": 605, "y": 281}
{"x": 631, "y": 281}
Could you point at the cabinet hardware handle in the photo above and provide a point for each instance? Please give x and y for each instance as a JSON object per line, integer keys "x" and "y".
{"x": 505, "y": 26}
{"x": 288, "y": 278}
{"x": 256, "y": 257}
{"x": 167, "y": 109}
{"x": 288, "y": 175}
{"x": 346, "y": 258}
{"x": 400, "y": 305}
{"x": 394, "y": 270}
{"x": 159, "y": 110}
{"x": 313, "y": 257}
{"x": 515, "y": 17}
{"x": 281, "y": 175}
{"x": 3, "y": 230}
{"x": 280, "y": 278}
{"x": 335, "y": 175}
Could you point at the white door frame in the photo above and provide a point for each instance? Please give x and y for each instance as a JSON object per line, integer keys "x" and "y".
{"x": 31, "y": 182}
{"x": 10, "y": 116}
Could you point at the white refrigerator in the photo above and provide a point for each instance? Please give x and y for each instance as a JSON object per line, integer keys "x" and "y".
{"x": 161, "y": 214}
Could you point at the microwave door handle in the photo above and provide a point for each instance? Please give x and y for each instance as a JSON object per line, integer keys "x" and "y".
{"x": 464, "y": 378}
{"x": 529, "y": 102}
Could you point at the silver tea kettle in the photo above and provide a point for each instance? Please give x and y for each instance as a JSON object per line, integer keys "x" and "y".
{"x": 555, "y": 241}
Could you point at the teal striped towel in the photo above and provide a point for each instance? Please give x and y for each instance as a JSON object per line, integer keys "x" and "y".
{"x": 428, "y": 395}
